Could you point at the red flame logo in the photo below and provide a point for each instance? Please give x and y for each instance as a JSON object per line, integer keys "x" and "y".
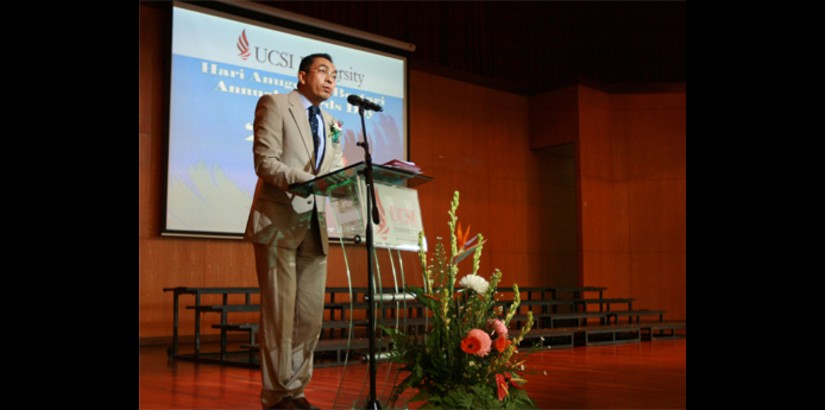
{"x": 383, "y": 227}
{"x": 243, "y": 45}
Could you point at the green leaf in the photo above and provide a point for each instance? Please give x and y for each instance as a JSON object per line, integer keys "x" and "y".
{"x": 443, "y": 375}
{"x": 466, "y": 252}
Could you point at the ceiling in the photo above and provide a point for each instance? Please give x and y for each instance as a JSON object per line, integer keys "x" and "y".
{"x": 525, "y": 47}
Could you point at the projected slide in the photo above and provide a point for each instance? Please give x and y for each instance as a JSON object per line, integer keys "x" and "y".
{"x": 220, "y": 68}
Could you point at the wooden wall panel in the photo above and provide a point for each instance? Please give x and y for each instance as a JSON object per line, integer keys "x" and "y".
{"x": 461, "y": 134}
{"x": 506, "y": 123}
{"x": 510, "y": 212}
{"x": 153, "y": 32}
{"x": 555, "y": 226}
{"x": 229, "y": 263}
{"x": 164, "y": 263}
{"x": 610, "y": 269}
{"x": 656, "y": 132}
{"x": 554, "y": 218}
{"x": 660, "y": 281}
{"x": 633, "y": 197}
{"x": 554, "y": 118}
{"x": 658, "y": 215}
{"x": 455, "y": 131}
{"x": 515, "y": 267}
{"x": 491, "y": 146}
{"x": 557, "y": 269}
{"x": 603, "y": 154}
{"x": 147, "y": 176}
{"x": 152, "y": 36}
{"x": 604, "y": 210}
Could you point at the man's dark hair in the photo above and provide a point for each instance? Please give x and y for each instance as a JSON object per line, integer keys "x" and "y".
{"x": 307, "y": 61}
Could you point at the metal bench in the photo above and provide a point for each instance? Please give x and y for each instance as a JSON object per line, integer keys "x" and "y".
{"x": 251, "y": 328}
{"x": 637, "y": 314}
{"x": 648, "y": 329}
{"x": 617, "y": 334}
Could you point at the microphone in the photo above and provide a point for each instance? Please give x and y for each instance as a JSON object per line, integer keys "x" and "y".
{"x": 362, "y": 102}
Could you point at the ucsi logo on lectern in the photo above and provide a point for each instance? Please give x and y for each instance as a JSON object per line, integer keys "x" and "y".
{"x": 264, "y": 55}
{"x": 383, "y": 227}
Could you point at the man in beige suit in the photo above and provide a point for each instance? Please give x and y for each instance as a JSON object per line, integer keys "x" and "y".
{"x": 289, "y": 231}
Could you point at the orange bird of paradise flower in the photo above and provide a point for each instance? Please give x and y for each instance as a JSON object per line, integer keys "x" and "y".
{"x": 461, "y": 237}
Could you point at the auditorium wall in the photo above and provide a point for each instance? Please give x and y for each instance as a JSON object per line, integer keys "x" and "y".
{"x": 520, "y": 194}
{"x": 631, "y": 158}
{"x": 467, "y": 137}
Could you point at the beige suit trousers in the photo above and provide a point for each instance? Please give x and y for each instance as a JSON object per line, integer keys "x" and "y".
{"x": 293, "y": 284}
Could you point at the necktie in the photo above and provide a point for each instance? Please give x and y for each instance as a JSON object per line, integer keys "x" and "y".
{"x": 316, "y": 136}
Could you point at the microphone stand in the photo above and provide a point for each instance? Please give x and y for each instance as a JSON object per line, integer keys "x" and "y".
{"x": 372, "y": 209}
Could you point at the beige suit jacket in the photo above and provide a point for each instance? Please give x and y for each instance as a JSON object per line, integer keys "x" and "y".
{"x": 283, "y": 154}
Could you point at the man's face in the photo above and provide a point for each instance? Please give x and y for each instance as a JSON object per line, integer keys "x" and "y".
{"x": 318, "y": 83}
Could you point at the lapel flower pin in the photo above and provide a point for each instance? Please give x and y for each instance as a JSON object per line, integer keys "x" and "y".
{"x": 335, "y": 130}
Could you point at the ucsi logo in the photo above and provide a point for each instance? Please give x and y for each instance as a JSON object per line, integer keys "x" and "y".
{"x": 264, "y": 55}
{"x": 243, "y": 46}
{"x": 383, "y": 227}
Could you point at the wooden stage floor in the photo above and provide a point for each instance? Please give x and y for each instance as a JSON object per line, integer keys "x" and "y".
{"x": 639, "y": 375}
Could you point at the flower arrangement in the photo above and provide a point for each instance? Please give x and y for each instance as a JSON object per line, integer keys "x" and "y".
{"x": 466, "y": 360}
{"x": 335, "y": 130}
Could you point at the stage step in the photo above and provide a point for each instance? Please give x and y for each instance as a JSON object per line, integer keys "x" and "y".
{"x": 561, "y": 319}
{"x": 648, "y": 329}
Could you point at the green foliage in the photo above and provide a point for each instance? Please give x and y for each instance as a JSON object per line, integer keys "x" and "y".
{"x": 456, "y": 363}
